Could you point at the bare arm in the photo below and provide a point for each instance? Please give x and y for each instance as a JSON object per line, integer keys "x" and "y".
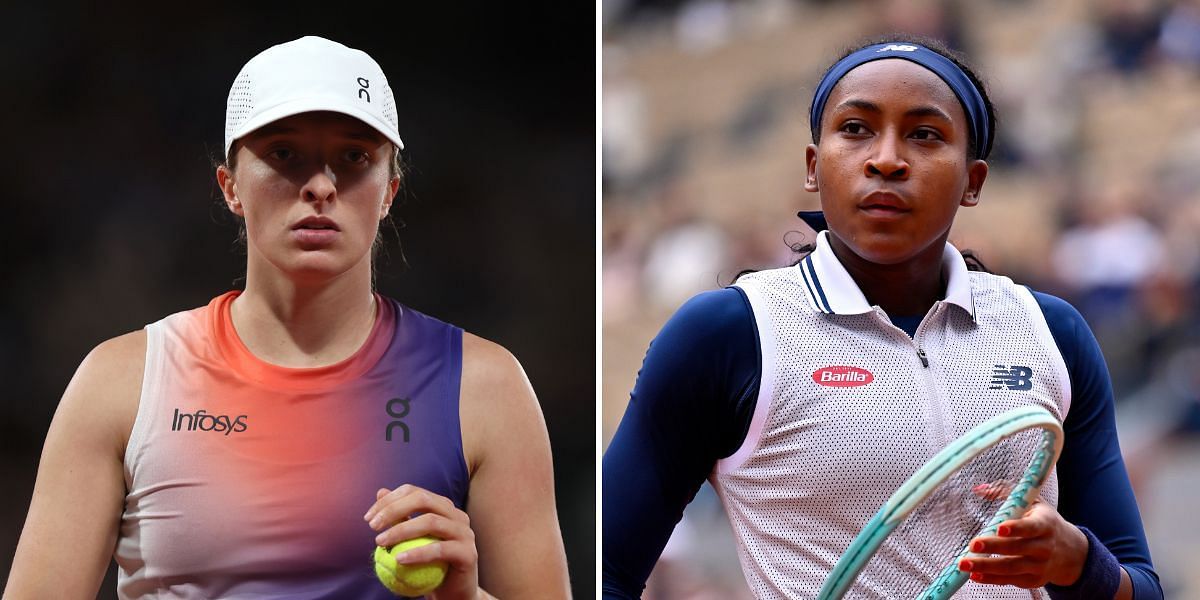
{"x": 77, "y": 500}
{"x": 511, "y": 501}
{"x": 508, "y": 541}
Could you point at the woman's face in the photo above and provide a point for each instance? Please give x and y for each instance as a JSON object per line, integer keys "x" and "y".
{"x": 892, "y": 165}
{"x": 312, "y": 189}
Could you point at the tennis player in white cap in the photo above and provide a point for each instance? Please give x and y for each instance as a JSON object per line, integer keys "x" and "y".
{"x": 263, "y": 445}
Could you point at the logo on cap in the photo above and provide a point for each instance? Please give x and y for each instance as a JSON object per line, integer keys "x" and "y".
{"x": 897, "y": 48}
{"x": 362, "y": 91}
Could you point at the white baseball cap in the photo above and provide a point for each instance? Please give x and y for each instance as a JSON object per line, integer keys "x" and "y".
{"x": 308, "y": 74}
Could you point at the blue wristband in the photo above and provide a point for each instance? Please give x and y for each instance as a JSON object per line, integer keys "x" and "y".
{"x": 1100, "y": 578}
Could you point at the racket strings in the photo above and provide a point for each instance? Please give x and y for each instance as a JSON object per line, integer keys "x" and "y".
{"x": 924, "y": 549}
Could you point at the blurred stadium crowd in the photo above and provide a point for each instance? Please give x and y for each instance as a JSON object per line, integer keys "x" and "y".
{"x": 1094, "y": 195}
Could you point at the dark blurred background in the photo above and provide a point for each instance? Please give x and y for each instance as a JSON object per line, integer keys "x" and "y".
{"x": 113, "y": 117}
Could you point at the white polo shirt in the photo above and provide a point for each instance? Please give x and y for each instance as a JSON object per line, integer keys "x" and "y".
{"x": 849, "y": 406}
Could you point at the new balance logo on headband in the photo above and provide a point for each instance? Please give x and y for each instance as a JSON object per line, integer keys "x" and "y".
{"x": 897, "y": 48}
{"x": 1015, "y": 377}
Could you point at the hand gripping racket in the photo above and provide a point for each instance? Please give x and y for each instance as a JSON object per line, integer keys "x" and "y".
{"x": 989, "y": 475}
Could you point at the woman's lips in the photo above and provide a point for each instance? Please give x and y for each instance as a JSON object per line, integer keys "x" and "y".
{"x": 883, "y": 205}
{"x": 314, "y": 237}
{"x": 883, "y": 212}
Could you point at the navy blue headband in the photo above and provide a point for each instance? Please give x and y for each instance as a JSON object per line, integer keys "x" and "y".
{"x": 970, "y": 96}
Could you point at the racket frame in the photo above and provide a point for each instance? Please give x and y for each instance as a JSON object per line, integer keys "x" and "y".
{"x": 935, "y": 471}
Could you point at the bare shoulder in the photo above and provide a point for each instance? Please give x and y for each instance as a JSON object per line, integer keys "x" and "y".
{"x": 119, "y": 354}
{"x": 119, "y": 362}
{"x": 512, "y": 506}
{"x": 82, "y": 458}
{"x": 486, "y": 364}
{"x": 496, "y": 400}
{"x": 107, "y": 385}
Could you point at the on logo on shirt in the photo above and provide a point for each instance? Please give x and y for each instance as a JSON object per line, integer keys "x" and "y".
{"x": 842, "y": 376}
{"x": 397, "y": 409}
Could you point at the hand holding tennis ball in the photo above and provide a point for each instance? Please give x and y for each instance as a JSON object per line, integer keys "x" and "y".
{"x": 408, "y": 580}
{"x": 434, "y": 540}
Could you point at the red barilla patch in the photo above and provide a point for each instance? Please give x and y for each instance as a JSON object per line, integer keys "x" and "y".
{"x": 842, "y": 376}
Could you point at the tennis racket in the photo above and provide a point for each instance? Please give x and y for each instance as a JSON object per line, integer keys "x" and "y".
{"x": 988, "y": 476}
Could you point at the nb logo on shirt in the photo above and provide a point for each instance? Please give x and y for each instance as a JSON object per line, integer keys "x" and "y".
{"x": 1013, "y": 377}
{"x": 397, "y": 409}
{"x": 205, "y": 422}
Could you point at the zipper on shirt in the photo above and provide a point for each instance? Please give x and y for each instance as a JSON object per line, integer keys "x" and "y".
{"x": 937, "y": 412}
{"x": 916, "y": 339}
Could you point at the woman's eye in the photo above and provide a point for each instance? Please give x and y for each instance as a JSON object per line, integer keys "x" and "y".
{"x": 356, "y": 156}
{"x": 854, "y": 128}
{"x": 281, "y": 154}
{"x": 926, "y": 134}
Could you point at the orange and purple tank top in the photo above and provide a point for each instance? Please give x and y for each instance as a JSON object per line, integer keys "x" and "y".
{"x": 250, "y": 480}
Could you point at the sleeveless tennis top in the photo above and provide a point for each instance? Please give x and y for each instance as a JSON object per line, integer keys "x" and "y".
{"x": 849, "y": 406}
{"x": 250, "y": 480}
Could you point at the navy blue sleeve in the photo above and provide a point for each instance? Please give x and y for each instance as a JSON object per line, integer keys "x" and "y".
{"x": 691, "y": 406}
{"x": 1094, "y": 489}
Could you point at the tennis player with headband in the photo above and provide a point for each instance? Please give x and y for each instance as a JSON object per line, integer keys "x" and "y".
{"x": 808, "y": 394}
{"x": 263, "y": 445}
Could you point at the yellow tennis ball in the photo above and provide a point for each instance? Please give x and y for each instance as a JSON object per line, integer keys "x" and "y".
{"x": 408, "y": 580}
